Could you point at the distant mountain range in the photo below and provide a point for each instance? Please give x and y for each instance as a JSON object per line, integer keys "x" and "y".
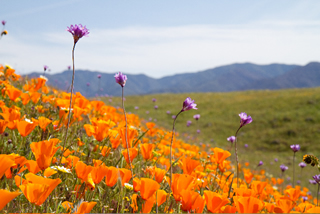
{"x": 234, "y": 77}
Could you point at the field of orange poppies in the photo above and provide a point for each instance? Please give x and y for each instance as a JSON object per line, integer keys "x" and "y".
{"x": 111, "y": 162}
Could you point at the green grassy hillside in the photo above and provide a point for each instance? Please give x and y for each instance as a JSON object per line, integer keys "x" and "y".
{"x": 280, "y": 118}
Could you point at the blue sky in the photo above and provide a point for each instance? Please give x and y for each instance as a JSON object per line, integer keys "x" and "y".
{"x": 159, "y": 38}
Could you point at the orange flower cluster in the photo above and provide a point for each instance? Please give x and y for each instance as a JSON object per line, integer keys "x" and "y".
{"x": 93, "y": 172}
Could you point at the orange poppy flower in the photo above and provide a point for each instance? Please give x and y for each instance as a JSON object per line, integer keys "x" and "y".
{"x": 31, "y": 165}
{"x": 148, "y": 188}
{"x": 44, "y": 152}
{"x": 136, "y": 184}
{"x": 105, "y": 151}
{"x": 148, "y": 204}
{"x": 25, "y": 127}
{"x": 13, "y": 93}
{"x": 133, "y": 152}
{"x": 161, "y": 196}
{"x": 98, "y": 173}
{"x": 48, "y": 172}
{"x": 293, "y": 193}
{"x": 188, "y": 165}
{"x": 6, "y": 197}
{"x": 12, "y": 115}
{"x": 44, "y": 122}
{"x": 83, "y": 170}
{"x": 125, "y": 175}
{"x": 86, "y": 207}
{"x": 41, "y": 81}
{"x": 67, "y": 205}
{"x": 247, "y": 204}
{"x": 35, "y": 96}
{"x": 3, "y": 125}
{"x": 6, "y": 161}
{"x": 284, "y": 206}
{"x": 192, "y": 202}
{"x": 159, "y": 174}
{"x": 25, "y": 98}
{"x": 229, "y": 209}
{"x": 215, "y": 201}
{"x": 132, "y": 133}
{"x": 219, "y": 155}
{"x": 146, "y": 150}
{"x": 181, "y": 182}
{"x": 258, "y": 186}
{"x": 37, "y": 188}
{"x": 112, "y": 176}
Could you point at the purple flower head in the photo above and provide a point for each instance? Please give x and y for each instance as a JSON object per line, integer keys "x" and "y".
{"x": 188, "y": 104}
{"x": 196, "y": 116}
{"x": 244, "y": 119}
{"x": 121, "y": 79}
{"x": 78, "y": 31}
{"x": 150, "y": 118}
{"x": 198, "y": 131}
{"x": 312, "y": 181}
{"x": 298, "y": 182}
{"x": 99, "y": 76}
{"x": 283, "y": 167}
{"x": 173, "y": 116}
{"x": 45, "y": 67}
{"x": 302, "y": 164}
{"x": 3, "y": 22}
{"x": 136, "y": 108}
{"x": 168, "y": 112}
{"x": 188, "y": 123}
{"x": 155, "y": 107}
{"x": 304, "y": 198}
{"x": 260, "y": 163}
{"x": 231, "y": 139}
{"x": 316, "y": 178}
{"x": 246, "y": 145}
{"x": 276, "y": 160}
{"x": 88, "y": 84}
{"x": 154, "y": 99}
{"x": 69, "y": 67}
{"x": 295, "y": 148}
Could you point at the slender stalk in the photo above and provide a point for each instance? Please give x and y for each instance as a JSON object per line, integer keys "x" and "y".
{"x": 318, "y": 196}
{"x": 236, "y": 151}
{"x": 70, "y": 105}
{"x": 293, "y": 166}
{"x": 171, "y": 150}
{"x": 126, "y": 134}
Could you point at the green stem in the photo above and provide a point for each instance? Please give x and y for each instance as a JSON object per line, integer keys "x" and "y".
{"x": 293, "y": 166}
{"x": 236, "y": 151}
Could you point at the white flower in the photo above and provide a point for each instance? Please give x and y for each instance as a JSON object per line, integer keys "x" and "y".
{"x": 61, "y": 169}
{"x": 29, "y": 121}
{"x": 43, "y": 77}
{"x": 128, "y": 186}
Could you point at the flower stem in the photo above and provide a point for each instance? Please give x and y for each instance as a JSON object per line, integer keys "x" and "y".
{"x": 236, "y": 151}
{"x": 318, "y": 196}
{"x": 293, "y": 166}
{"x": 125, "y": 117}
{"x": 70, "y": 105}
{"x": 171, "y": 150}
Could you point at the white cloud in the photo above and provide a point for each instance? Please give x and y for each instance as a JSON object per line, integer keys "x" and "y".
{"x": 161, "y": 51}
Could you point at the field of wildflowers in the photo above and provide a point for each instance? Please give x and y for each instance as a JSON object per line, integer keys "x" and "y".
{"x": 61, "y": 152}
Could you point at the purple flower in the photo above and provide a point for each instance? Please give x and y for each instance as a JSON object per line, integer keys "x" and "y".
{"x": 188, "y": 104}
{"x": 196, "y": 116}
{"x": 168, "y": 112}
{"x": 69, "y": 67}
{"x": 304, "y": 198}
{"x": 260, "y": 163}
{"x": 99, "y": 76}
{"x": 276, "y": 160}
{"x": 3, "y": 22}
{"x": 316, "y": 178}
{"x": 231, "y": 139}
{"x": 302, "y": 164}
{"x": 154, "y": 99}
{"x": 136, "y": 108}
{"x": 45, "y": 67}
{"x": 88, "y": 84}
{"x": 312, "y": 181}
{"x": 155, "y": 107}
{"x": 244, "y": 119}
{"x": 147, "y": 112}
{"x": 173, "y": 116}
{"x": 295, "y": 148}
{"x": 198, "y": 131}
{"x": 188, "y": 123}
{"x": 283, "y": 167}
{"x": 78, "y": 31}
{"x": 246, "y": 145}
{"x": 121, "y": 79}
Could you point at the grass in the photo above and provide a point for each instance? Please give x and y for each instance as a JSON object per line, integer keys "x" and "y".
{"x": 280, "y": 118}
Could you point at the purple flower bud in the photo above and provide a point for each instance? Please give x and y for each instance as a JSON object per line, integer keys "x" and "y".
{"x": 295, "y": 148}
{"x": 78, "y": 31}
{"x": 6, "y": 134}
{"x": 3, "y": 22}
{"x": 312, "y": 181}
{"x": 302, "y": 164}
{"x": 173, "y": 116}
{"x": 188, "y": 123}
{"x": 276, "y": 160}
{"x": 198, "y": 131}
{"x": 283, "y": 167}
{"x": 45, "y": 67}
{"x": 246, "y": 145}
{"x": 136, "y": 108}
{"x": 155, "y": 107}
{"x": 317, "y": 178}
{"x": 121, "y": 79}
{"x": 188, "y": 104}
{"x": 154, "y": 99}
{"x": 168, "y": 112}
{"x": 244, "y": 119}
{"x": 99, "y": 76}
{"x": 69, "y": 67}
{"x": 196, "y": 116}
{"x": 231, "y": 139}
{"x": 304, "y": 198}
{"x": 298, "y": 182}
{"x": 260, "y": 163}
